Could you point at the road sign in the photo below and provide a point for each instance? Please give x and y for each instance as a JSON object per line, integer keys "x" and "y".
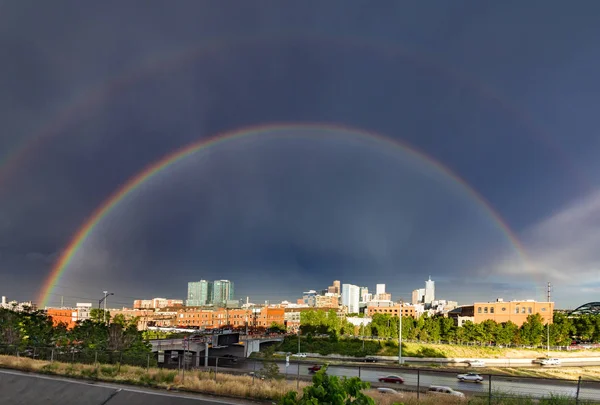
{"x": 287, "y": 361}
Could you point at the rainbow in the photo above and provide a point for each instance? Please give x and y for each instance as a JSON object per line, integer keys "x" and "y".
{"x": 92, "y": 98}
{"x": 153, "y": 169}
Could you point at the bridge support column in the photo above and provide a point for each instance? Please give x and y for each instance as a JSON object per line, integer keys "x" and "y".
{"x": 206, "y": 355}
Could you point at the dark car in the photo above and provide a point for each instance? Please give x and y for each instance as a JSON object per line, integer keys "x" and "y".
{"x": 314, "y": 368}
{"x": 394, "y": 379}
{"x": 230, "y": 357}
{"x": 370, "y": 359}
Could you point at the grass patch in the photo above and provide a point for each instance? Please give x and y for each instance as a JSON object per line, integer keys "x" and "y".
{"x": 194, "y": 381}
{"x": 357, "y": 348}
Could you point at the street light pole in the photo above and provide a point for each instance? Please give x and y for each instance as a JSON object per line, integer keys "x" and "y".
{"x": 106, "y": 294}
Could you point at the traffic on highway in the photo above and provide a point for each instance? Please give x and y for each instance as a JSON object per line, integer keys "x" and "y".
{"x": 411, "y": 380}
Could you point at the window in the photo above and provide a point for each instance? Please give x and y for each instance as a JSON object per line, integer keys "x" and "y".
{"x": 529, "y": 310}
{"x": 485, "y": 310}
{"x": 523, "y": 310}
{"x": 491, "y": 310}
{"x": 478, "y": 310}
{"x": 516, "y": 310}
{"x": 544, "y": 309}
{"x": 503, "y": 309}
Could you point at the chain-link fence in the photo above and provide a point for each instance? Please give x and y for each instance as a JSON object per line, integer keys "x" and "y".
{"x": 81, "y": 355}
{"x": 422, "y": 382}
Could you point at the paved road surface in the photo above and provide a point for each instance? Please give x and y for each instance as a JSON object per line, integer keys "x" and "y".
{"x": 17, "y": 388}
{"x": 515, "y": 385}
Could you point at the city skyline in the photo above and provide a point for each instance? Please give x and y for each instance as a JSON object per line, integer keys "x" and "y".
{"x": 287, "y": 146}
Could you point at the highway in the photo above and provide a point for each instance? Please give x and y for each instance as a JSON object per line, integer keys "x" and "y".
{"x": 500, "y": 385}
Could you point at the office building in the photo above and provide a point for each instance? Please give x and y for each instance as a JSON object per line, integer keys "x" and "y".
{"x": 335, "y": 288}
{"x": 380, "y": 293}
{"x": 514, "y": 311}
{"x": 222, "y": 292}
{"x": 200, "y": 293}
{"x": 351, "y": 297}
{"x": 429, "y": 291}
{"x": 418, "y": 296}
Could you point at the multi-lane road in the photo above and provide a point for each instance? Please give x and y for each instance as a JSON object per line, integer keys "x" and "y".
{"x": 499, "y": 385}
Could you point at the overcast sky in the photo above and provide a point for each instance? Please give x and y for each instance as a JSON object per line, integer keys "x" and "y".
{"x": 504, "y": 95}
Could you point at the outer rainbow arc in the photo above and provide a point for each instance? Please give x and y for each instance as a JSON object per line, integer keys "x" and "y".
{"x": 113, "y": 200}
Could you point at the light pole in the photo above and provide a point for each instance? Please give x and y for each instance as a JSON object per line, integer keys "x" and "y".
{"x": 106, "y": 294}
{"x": 400, "y": 333}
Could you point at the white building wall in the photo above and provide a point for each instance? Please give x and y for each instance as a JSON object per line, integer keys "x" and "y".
{"x": 351, "y": 297}
{"x": 429, "y": 291}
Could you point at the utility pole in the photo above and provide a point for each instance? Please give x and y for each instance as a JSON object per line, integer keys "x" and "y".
{"x": 550, "y": 314}
{"x": 400, "y": 333}
{"x": 62, "y": 301}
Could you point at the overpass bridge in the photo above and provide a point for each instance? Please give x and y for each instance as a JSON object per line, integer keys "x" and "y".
{"x": 191, "y": 351}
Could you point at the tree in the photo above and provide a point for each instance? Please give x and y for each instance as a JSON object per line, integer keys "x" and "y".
{"x": 10, "y": 333}
{"x": 277, "y": 328}
{"x": 532, "y": 331}
{"x": 98, "y": 315}
{"x": 270, "y": 369}
{"x": 331, "y": 390}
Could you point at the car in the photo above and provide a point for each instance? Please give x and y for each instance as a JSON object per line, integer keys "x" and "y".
{"x": 550, "y": 362}
{"x": 303, "y": 355}
{"x": 475, "y": 363}
{"x": 473, "y": 377}
{"x": 314, "y": 368}
{"x": 441, "y": 390}
{"x": 230, "y": 357}
{"x": 386, "y": 390}
{"x": 394, "y": 379}
{"x": 370, "y": 359}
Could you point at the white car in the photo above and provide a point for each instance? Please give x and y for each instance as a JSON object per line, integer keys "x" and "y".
{"x": 550, "y": 362}
{"x": 299, "y": 355}
{"x": 475, "y": 363}
{"x": 438, "y": 389}
{"x": 473, "y": 377}
{"x": 385, "y": 390}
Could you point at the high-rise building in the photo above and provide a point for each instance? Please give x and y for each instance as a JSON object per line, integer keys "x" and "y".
{"x": 222, "y": 292}
{"x": 335, "y": 288}
{"x": 429, "y": 291}
{"x": 351, "y": 297}
{"x": 200, "y": 293}
{"x": 380, "y": 293}
{"x": 364, "y": 294}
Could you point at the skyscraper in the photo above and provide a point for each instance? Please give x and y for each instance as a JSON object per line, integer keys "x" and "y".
{"x": 364, "y": 294}
{"x": 351, "y": 297}
{"x": 222, "y": 292}
{"x": 429, "y": 291}
{"x": 200, "y": 293}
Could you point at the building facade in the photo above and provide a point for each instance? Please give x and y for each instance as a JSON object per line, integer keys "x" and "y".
{"x": 429, "y": 291}
{"x": 200, "y": 293}
{"x": 351, "y": 297}
{"x": 335, "y": 288}
{"x": 223, "y": 291}
{"x": 394, "y": 310}
{"x": 514, "y": 311}
{"x": 156, "y": 303}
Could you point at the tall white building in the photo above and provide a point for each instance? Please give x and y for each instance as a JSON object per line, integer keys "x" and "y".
{"x": 380, "y": 289}
{"x": 351, "y": 297}
{"x": 364, "y": 294}
{"x": 429, "y": 291}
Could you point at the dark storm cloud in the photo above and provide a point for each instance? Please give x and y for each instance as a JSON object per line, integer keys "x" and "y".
{"x": 56, "y": 54}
